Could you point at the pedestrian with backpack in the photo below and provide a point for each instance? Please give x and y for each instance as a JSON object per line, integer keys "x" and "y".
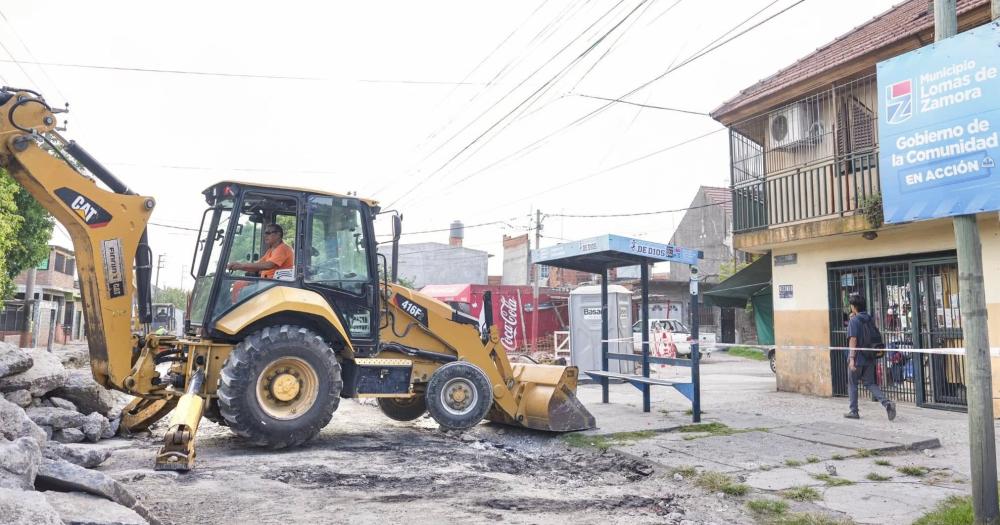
{"x": 862, "y": 333}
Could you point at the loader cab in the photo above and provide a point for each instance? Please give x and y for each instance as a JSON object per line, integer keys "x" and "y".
{"x": 332, "y": 249}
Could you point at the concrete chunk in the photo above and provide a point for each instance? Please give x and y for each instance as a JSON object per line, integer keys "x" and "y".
{"x": 13, "y": 360}
{"x": 59, "y": 402}
{"x": 45, "y": 375}
{"x": 14, "y": 423}
{"x": 64, "y": 476}
{"x": 77, "y": 508}
{"x": 24, "y": 507}
{"x": 88, "y": 396}
{"x": 57, "y": 418}
{"x": 95, "y": 427}
{"x": 82, "y": 455}
{"x": 68, "y": 435}
{"x": 19, "y": 462}
{"x": 21, "y": 398}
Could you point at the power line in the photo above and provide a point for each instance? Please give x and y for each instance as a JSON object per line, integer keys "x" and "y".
{"x": 701, "y": 53}
{"x": 217, "y": 168}
{"x": 161, "y": 225}
{"x": 544, "y": 86}
{"x": 32, "y": 55}
{"x": 658, "y": 212}
{"x": 650, "y": 106}
{"x": 167, "y": 71}
{"x": 21, "y": 67}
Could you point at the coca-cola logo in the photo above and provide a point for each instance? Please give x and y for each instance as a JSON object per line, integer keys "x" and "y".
{"x": 508, "y": 313}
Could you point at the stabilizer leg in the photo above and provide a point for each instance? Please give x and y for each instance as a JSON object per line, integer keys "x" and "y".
{"x": 178, "y": 451}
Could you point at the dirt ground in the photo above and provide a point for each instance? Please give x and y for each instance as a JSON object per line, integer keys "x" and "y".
{"x": 365, "y": 468}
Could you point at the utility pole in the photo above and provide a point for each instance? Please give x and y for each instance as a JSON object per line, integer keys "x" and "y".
{"x": 29, "y": 309}
{"x": 159, "y": 266}
{"x": 982, "y": 444}
{"x": 536, "y": 271}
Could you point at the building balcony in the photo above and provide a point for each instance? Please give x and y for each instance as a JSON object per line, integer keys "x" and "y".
{"x": 807, "y": 169}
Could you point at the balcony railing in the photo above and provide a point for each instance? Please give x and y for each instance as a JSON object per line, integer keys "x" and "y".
{"x": 814, "y": 159}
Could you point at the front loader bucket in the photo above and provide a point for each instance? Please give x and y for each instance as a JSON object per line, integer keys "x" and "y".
{"x": 547, "y": 400}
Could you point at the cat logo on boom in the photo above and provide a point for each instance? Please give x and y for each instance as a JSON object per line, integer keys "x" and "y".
{"x": 92, "y": 214}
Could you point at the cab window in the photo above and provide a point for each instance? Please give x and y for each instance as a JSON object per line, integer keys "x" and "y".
{"x": 339, "y": 247}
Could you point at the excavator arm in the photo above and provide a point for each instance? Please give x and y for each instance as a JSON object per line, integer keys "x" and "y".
{"x": 107, "y": 226}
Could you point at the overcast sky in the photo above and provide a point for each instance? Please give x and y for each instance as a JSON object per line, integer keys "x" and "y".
{"x": 444, "y": 110}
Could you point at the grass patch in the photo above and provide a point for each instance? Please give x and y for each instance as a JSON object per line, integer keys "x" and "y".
{"x": 804, "y": 518}
{"x": 690, "y": 412}
{"x": 955, "y": 510}
{"x": 801, "y": 494}
{"x": 767, "y": 507}
{"x": 719, "y": 482}
{"x": 875, "y": 476}
{"x": 606, "y": 441}
{"x": 793, "y": 463}
{"x": 832, "y": 481}
{"x": 865, "y": 453}
{"x": 713, "y": 429}
{"x": 749, "y": 353}
{"x": 837, "y": 457}
{"x": 812, "y": 459}
{"x": 687, "y": 472}
{"x": 883, "y": 463}
{"x": 917, "y": 472}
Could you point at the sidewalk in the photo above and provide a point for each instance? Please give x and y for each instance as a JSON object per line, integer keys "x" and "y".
{"x": 865, "y": 470}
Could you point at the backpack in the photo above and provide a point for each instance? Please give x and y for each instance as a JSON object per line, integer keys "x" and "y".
{"x": 871, "y": 338}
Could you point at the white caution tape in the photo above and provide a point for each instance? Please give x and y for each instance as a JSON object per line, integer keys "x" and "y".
{"x": 994, "y": 352}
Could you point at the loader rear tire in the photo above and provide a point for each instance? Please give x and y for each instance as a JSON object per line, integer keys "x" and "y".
{"x": 459, "y": 395}
{"x": 403, "y": 409}
{"x": 280, "y": 386}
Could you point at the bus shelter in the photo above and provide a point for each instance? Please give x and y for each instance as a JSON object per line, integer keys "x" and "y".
{"x": 598, "y": 255}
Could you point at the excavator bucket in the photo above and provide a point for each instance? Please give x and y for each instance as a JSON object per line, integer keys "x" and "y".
{"x": 547, "y": 400}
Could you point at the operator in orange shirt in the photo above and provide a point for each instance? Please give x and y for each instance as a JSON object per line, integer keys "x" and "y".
{"x": 279, "y": 256}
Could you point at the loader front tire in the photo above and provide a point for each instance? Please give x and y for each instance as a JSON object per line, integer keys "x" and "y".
{"x": 280, "y": 386}
{"x": 459, "y": 395}
{"x": 403, "y": 409}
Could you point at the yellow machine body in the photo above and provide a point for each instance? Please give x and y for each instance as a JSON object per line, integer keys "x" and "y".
{"x": 106, "y": 228}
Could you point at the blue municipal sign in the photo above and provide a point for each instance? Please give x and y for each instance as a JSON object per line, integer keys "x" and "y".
{"x": 939, "y": 126}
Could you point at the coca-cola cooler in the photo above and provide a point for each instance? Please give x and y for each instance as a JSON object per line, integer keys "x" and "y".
{"x": 512, "y": 310}
{"x": 585, "y": 328}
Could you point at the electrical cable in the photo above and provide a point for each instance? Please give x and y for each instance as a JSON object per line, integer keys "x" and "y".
{"x": 637, "y": 214}
{"x": 167, "y": 71}
{"x": 15, "y": 61}
{"x": 409, "y": 193}
{"x": 32, "y": 55}
{"x": 650, "y": 106}
{"x": 495, "y": 104}
{"x": 539, "y": 142}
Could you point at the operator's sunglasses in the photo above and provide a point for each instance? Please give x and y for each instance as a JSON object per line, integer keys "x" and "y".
{"x": 269, "y": 232}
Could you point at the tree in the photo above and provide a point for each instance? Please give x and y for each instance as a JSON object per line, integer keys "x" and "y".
{"x": 174, "y": 296}
{"x": 25, "y": 230}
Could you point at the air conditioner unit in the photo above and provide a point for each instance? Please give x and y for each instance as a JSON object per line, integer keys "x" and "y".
{"x": 795, "y": 125}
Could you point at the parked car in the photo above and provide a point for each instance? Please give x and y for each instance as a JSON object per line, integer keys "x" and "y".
{"x": 678, "y": 333}
{"x": 770, "y": 359}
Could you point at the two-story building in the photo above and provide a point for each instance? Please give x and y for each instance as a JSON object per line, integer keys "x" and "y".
{"x": 805, "y": 188}
{"x": 58, "y": 299}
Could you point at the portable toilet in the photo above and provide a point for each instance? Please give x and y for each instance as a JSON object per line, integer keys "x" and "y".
{"x": 585, "y": 328}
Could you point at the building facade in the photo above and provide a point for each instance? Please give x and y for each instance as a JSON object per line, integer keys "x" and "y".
{"x": 426, "y": 263}
{"x": 805, "y": 188}
{"x": 59, "y": 312}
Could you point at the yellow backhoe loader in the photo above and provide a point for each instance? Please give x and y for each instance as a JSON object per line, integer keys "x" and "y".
{"x": 271, "y": 350}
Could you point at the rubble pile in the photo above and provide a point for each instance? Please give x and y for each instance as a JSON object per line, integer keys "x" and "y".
{"x": 50, "y": 419}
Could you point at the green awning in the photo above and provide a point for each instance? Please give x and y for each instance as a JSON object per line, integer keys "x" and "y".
{"x": 752, "y": 281}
